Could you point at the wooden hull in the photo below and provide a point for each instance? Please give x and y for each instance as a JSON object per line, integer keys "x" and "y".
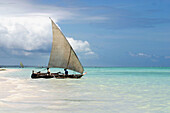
{"x": 54, "y": 75}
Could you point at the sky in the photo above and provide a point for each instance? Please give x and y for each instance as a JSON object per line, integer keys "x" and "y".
{"x": 116, "y": 33}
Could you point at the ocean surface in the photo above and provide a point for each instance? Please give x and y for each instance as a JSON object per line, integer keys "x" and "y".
{"x": 101, "y": 90}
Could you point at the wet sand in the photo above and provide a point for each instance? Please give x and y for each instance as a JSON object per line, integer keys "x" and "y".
{"x": 8, "y": 70}
{"x": 2, "y": 70}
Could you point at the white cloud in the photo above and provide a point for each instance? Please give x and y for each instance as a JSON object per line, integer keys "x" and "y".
{"x": 29, "y": 33}
{"x": 167, "y": 57}
{"x": 140, "y": 54}
{"x": 80, "y": 46}
{"x": 25, "y": 27}
{"x": 152, "y": 57}
{"x": 25, "y": 32}
{"x": 22, "y": 8}
{"x": 143, "y": 54}
{"x": 17, "y": 8}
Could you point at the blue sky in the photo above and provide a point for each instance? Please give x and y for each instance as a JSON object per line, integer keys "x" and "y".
{"x": 112, "y": 32}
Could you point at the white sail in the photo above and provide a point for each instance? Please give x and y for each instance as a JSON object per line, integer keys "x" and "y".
{"x": 62, "y": 54}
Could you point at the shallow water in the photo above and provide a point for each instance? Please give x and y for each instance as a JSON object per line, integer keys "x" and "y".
{"x": 105, "y": 90}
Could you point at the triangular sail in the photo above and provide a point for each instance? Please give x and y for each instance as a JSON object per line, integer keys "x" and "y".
{"x": 62, "y": 54}
{"x": 22, "y": 66}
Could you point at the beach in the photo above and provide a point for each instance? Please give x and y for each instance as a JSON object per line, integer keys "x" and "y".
{"x": 2, "y": 70}
{"x": 107, "y": 90}
{"x": 8, "y": 70}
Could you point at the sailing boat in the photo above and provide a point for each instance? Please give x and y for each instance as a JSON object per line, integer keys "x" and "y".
{"x": 62, "y": 56}
{"x": 21, "y": 65}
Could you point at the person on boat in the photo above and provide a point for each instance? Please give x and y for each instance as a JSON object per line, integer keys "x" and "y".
{"x": 48, "y": 71}
{"x": 66, "y": 72}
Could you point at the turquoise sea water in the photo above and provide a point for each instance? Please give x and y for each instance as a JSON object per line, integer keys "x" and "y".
{"x": 104, "y": 90}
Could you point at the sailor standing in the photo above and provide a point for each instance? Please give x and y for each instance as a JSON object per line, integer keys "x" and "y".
{"x": 66, "y": 72}
{"x": 48, "y": 71}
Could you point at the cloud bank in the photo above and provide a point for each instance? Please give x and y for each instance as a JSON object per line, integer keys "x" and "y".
{"x": 25, "y": 33}
{"x": 24, "y": 28}
{"x": 31, "y": 34}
